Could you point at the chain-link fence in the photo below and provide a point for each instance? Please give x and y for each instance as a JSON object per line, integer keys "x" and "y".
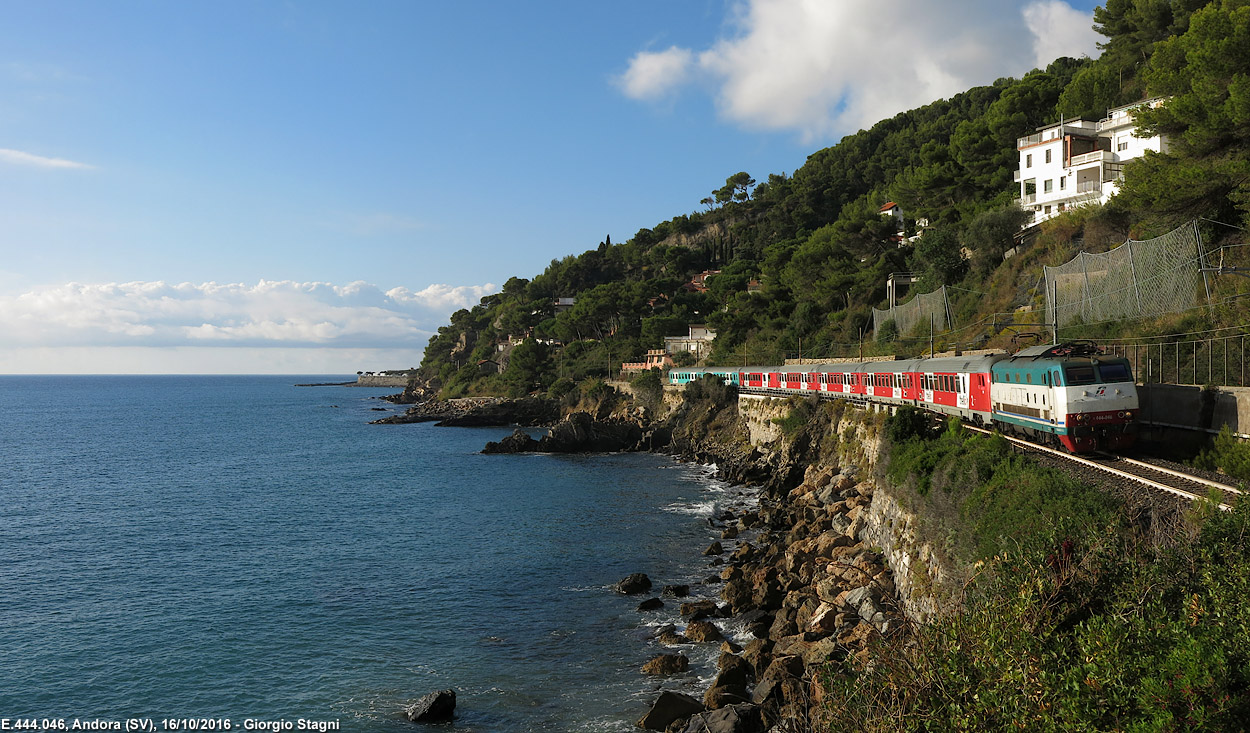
{"x": 1147, "y": 278}
{"x": 927, "y": 308}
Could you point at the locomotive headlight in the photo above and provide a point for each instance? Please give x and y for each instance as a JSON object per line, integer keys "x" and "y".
{"x": 1122, "y": 414}
{"x": 1128, "y": 414}
{"x": 1082, "y": 417}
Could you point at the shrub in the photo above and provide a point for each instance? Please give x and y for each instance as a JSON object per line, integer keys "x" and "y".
{"x": 1097, "y": 631}
{"x": 1228, "y": 454}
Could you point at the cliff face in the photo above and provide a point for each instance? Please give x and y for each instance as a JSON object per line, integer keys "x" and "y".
{"x": 827, "y": 441}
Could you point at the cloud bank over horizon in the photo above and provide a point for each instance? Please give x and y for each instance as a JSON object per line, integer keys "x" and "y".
{"x": 192, "y": 319}
{"x": 828, "y": 69}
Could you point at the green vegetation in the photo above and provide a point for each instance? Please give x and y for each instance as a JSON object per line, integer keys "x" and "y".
{"x": 1095, "y": 633}
{"x": 802, "y": 412}
{"x": 1227, "y": 454}
{"x": 978, "y": 491}
{"x": 1072, "y": 620}
{"x": 804, "y": 257}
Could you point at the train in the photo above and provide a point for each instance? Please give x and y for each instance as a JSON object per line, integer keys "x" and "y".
{"x": 1069, "y": 395}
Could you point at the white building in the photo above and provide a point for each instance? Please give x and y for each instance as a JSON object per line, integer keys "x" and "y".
{"x": 1076, "y": 162}
{"x": 698, "y": 342}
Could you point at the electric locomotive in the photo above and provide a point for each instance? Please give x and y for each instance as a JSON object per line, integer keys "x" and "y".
{"x": 1069, "y": 394}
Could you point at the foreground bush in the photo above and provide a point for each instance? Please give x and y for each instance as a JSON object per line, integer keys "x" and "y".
{"x": 1094, "y": 634}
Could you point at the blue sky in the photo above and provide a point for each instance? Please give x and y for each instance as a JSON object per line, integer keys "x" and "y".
{"x": 312, "y": 187}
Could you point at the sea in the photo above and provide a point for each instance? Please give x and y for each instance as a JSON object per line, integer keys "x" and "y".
{"x": 237, "y": 552}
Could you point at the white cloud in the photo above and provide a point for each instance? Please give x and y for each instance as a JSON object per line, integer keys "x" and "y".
{"x": 1059, "y": 30}
{"x": 269, "y": 314}
{"x": 653, "y": 74}
{"x": 17, "y": 157}
{"x": 825, "y": 68}
{"x": 202, "y": 360}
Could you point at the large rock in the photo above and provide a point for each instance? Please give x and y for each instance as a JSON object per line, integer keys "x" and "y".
{"x": 739, "y": 594}
{"x": 435, "y": 707}
{"x": 734, "y": 671}
{"x": 740, "y": 718}
{"x": 668, "y": 707}
{"x": 519, "y": 442}
{"x": 580, "y": 432}
{"x": 719, "y": 696}
{"x": 634, "y": 583}
{"x": 666, "y": 664}
{"x": 703, "y": 631}
{"x": 862, "y": 601}
{"x": 695, "y": 610}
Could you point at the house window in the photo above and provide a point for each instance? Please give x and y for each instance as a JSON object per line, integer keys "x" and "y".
{"x": 1048, "y": 185}
{"x": 1062, "y": 182}
{"x": 1028, "y": 160}
{"x": 1047, "y": 156}
{"x": 1047, "y": 211}
{"x": 1122, "y": 145}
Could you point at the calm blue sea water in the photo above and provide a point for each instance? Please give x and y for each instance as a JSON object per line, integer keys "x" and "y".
{"x": 237, "y": 547}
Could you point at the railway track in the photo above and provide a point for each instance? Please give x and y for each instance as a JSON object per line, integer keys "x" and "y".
{"x": 1156, "y": 477}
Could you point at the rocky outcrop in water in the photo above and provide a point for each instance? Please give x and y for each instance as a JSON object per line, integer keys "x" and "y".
{"x": 634, "y": 583}
{"x": 479, "y": 412}
{"x": 435, "y": 707}
{"x": 582, "y": 432}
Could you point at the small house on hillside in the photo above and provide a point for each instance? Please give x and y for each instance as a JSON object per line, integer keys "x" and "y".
{"x": 655, "y": 358}
{"x": 698, "y": 283}
{"x": 698, "y": 341}
{"x": 892, "y": 209}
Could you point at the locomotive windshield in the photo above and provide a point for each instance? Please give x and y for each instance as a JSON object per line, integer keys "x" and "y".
{"x": 1082, "y": 374}
{"x": 1114, "y": 372}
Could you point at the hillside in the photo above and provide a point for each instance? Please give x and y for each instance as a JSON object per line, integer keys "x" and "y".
{"x": 804, "y": 258}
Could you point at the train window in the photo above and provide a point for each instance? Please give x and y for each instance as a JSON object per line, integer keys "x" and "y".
{"x": 1114, "y": 373}
{"x": 1082, "y": 374}
{"x": 1028, "y": 378}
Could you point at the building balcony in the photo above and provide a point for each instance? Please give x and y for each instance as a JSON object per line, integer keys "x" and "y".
{"x": 1089, "y": 187}
{"x": 1094, "y": 158}
{"x": 1024, "y": 142}
{"x": 1027, "y": 199}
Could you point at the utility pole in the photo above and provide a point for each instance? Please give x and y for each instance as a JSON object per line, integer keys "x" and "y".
{"x": 1054, "y": 301}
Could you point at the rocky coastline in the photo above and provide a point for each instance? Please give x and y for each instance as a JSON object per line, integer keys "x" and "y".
{"x": 796, "y": 572}
{"x": 796, "y": 586}
{"x": 476, "y": 412}
{"x": 802, "y": 582}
